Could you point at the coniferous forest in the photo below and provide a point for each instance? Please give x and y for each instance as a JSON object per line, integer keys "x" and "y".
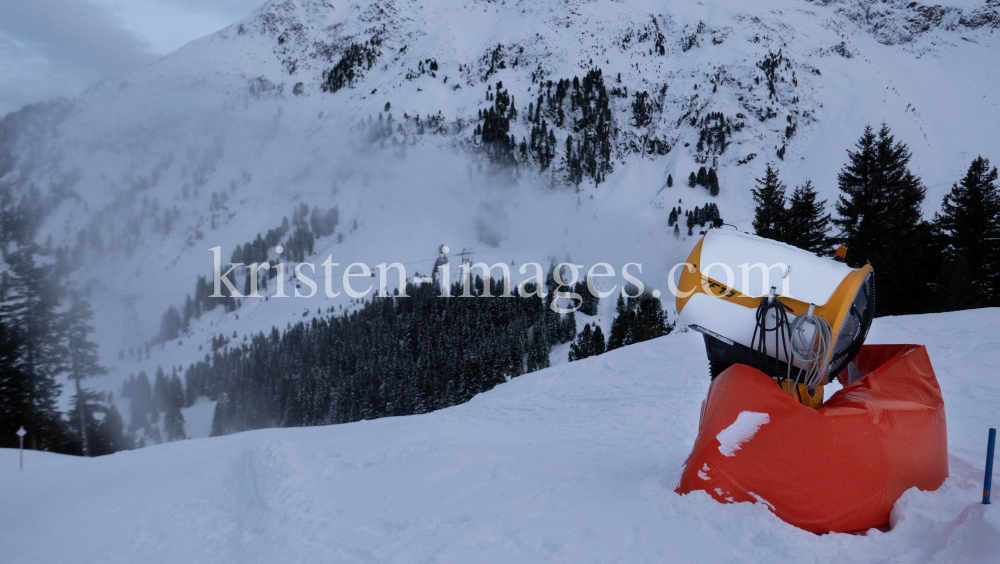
{"x": 393, "y": 356}
{"x": 949, "y": 262}
{"x": 389, "y": 356}
{"x": 45, "y": 343}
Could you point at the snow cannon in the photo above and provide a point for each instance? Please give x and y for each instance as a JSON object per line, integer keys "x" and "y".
{"x": 795, "y": 316}
{"x": 771, "y": 312}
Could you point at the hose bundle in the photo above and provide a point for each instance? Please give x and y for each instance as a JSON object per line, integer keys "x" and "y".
{"x": 807, "y": 338}
{"x": 771, "y": 308}
{"x": 810, "y": 349}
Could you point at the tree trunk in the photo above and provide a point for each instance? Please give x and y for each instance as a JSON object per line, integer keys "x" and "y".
{"x": 32, "y": 418}
{"x": 80, "y": 404}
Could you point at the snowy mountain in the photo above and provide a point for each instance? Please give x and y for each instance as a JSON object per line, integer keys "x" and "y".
{"x": 573, "y": 463}
{"x": 219, "y": 141}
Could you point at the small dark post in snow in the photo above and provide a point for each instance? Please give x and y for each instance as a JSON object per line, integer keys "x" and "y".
{"x": 20, "y": 435}
{"x": 988, "y": 480}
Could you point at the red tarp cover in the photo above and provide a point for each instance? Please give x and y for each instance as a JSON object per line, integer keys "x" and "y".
{"x": 839, "y": 468}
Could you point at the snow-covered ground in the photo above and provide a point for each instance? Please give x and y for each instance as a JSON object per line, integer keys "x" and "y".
{"x": 576, "y": 463}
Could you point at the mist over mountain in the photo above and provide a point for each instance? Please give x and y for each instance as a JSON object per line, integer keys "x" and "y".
{"x": 520, "y": 131}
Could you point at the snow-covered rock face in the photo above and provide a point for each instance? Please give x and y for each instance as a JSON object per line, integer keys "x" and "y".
{"x": 905, "y": 21}
{"x": 218, "y": 141}
{"x": 744, "y": 80}
{"x": 718, "y": 83}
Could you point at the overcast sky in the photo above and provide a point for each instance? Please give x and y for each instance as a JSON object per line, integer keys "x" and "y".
{"x": 52, "y": 48}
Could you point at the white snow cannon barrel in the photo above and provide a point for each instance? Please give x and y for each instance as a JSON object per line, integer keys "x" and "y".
{"x": 798, "y": 317}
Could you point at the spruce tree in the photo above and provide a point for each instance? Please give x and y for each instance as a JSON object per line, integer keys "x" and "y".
{"x": 713, "y": 216}
{"x": 597, "y": 338}
{"x": 568, "y": 332}
{"x": 692, "y": 180}
{"x": 142, "y": 408}
{"x": 670, "y": 181}
{"x": 189, "y": 311}
{"x": 713, "y": 182}
{"x": 590, "y": 342}
{"x": 650, "y": 319}
{"x": 173, "y": 420}
{"x": 880, "y": 222}
{"x": 111, "y": 435}
{"x": 808, "y": 222}
{"x": 969, "y": 224}
{"x": 769, "y": 206}
{"x": 170, "y": 324}
{"x": 30, "y": 310}
{"x": 83, "y": 423}
{"x": 639, "y": 319}
{"x": 583, "y": 347}
{"x": 15, "y": 389}
{"x": 83, "y": 363}
{"x": 589, "y": 302}
{"x": 620, "y": 325}
{"x": 160, "y": 385}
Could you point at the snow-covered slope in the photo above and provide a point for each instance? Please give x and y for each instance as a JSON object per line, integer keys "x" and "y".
{"x": 220, "y": 140}
{"x": 576, "y": 463}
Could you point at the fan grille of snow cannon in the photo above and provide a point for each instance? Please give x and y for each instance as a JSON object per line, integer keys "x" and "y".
{"x": 855, "y": 328}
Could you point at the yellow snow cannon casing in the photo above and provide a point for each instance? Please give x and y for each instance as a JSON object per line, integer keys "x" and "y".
{"x": 729, "y": 275}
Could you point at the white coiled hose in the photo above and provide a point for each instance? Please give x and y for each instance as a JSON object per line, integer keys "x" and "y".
{"x": 810, "y": 349}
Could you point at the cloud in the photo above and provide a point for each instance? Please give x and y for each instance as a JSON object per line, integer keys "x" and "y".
{"x": 54, "y": 48}
{"x": 168, "y": 24}
{"x": 76, "y": 33}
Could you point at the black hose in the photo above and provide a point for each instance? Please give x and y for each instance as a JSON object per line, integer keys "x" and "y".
{"x": 765, "y": 363}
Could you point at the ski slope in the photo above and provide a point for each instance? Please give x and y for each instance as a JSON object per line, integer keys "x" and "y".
{"x": 576, "y": 463}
